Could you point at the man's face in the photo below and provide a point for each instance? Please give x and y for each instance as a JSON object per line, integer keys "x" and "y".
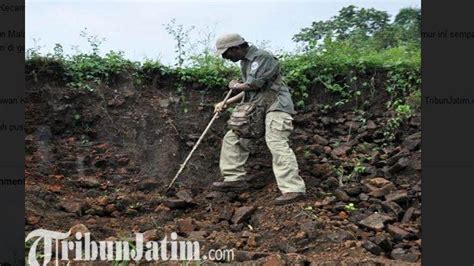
{"x": 232, "y": 54}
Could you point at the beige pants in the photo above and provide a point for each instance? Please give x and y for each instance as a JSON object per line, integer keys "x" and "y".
{"x": 234, "y": 154}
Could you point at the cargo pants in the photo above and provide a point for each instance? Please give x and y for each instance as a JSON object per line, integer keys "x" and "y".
{"x": 234, "y": 154}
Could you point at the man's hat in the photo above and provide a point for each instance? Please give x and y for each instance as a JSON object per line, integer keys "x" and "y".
{"x": 226, "y": 41}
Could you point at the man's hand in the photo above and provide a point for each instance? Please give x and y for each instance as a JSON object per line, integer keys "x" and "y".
{"x": 219, "y": 107}
{"x": 233, "y": 83}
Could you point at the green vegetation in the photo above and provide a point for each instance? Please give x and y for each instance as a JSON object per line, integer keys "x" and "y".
{"x": 350, "y": 207}
{"x": 354, "y": 57}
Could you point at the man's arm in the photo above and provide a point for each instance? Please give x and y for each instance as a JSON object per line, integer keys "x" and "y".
{"x": 236, "y": 98}
{"x": 219, "y": 107}
{"x": 236, "y": 85}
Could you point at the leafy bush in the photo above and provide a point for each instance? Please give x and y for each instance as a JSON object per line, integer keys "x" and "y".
{"x": 345, "y": 71}
{"x": 83, "y": 69}
{"x": 208, "y": 70}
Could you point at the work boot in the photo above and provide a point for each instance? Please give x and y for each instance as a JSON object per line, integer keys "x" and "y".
{"x": 230, "y": 186}
{"x": 289, "y": 198}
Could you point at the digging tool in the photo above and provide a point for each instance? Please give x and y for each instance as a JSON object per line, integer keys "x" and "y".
{"x": 216, "y": 115}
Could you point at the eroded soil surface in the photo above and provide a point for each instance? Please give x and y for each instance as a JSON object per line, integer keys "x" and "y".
{"x": 103, "y": 159}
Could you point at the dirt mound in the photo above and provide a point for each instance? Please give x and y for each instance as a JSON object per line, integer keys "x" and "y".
{"x": 102, "y": 159}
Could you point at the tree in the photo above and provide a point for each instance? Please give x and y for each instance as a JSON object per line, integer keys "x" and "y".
{"x": 366, "y": 28}
{"x": 349, "y": 23}
{"x": 409, "y": 19}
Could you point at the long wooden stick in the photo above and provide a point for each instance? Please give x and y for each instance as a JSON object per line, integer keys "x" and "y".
{"x": 216, "y": 115}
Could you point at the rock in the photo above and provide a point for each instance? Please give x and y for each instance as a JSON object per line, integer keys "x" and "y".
{"x": 396, "y": 232}
{"x": 186, "y": 225}
{"x": 412, "y": 142}
{"x": 226, "y": 213}
{"x": 241, "y": 255}
{"x": 326, "y": 120}
{"x": 408, "y": 215}
{"x": 400, "y": 165}
{"x": 383, "y": 241}
{"x": 383, "y": 191}
{"x": 343, "y": 215}
{"x": 32, "y": 218}
{"x": 400, "y": 254}
{"x": 150, "y": 235}
{"x": 244, "y": 196}
{"x": 242, "y": 214}
{"x": 330, "y": 184}
{"x": 326, "y": 201}
{"x": 393, "y": 208}
{"x": 88, "y": 182}
{"x": 215, "y": 195}
{"x": 303, "y": 118}
{"x": 340, "y": 236}
{"x": 102, "y": 201}
{"x": 115, "y": 102}
{"x": 177, "y": 204}
{"x": 341, "y": 195}
{"x": 110, "y": 208}
{"x": 300, "y": 235}
{"x": 56, "y": 188}
{"x": 131, "y": 212}
{"x": 396, "y": 157}
{"x": 274, "y": 260}
{"x": 375, "y": 221}
{"x": 148, "y": 185}
{"x": 372, "y": 248}
{"x": 236, "y": 227}
{"x": 350, "y": 243}
{"x": 371, "y": 125}
{"x": 316, "y": 148}
{"x": 327, "y": 149}
{"x": 79, "y": 228}
{"x": 418, "y": 242}
{"x": 311, "y": 227}
{"x": 397, "y": 196}
{"x": 252, "y": 240}
{"x": 320, "y": 140}
{"x": 375, "y": 183}
{"x": 340, "y": 150}
{"x": 352, "y": 124}
{"x": 353, "y": 191}
{"x": 122, "y": 159}
{"x": 185, "y": 195}
{"x": 101, "y": 163}
{"x": 72, "y": 207}
{"x": 285, "y": 247}
{"x": 321, "y": 170}
{"x": 363, "y": 197}
{"x": 197, "y": 235}
{"x": 164, "y": 103}
{"x": 339, "y": 206}
{"x": 415, "y": 162}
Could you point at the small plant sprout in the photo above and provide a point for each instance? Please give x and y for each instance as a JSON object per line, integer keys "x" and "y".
{"x": 350, "y": 207}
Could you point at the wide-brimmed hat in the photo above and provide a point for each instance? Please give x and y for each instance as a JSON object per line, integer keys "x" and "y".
{"x": 226, "y": 41}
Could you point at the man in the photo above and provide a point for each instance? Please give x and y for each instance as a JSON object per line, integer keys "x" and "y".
{"x": 260, "y": 72}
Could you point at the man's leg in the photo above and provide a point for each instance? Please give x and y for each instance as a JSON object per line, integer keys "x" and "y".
{"x": 278, "y": 126}
{"x": 234, "y": 155}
